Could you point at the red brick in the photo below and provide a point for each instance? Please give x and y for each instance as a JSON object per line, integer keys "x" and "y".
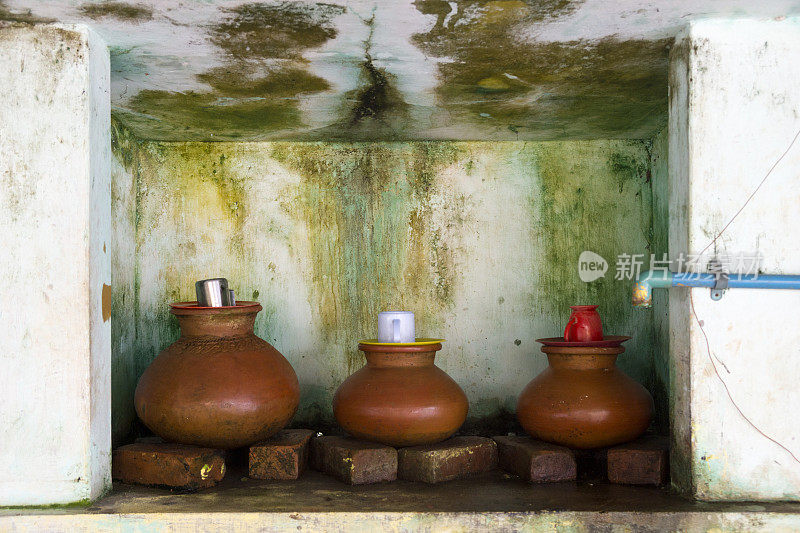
{"x": 283, "y": 456}
{"x": 642, "y": 462}
{"x": 352, "y": 461}
{"x": 168, "y": 464}
{"x": 452, "y": 459}
{"x": 536, "y": 461}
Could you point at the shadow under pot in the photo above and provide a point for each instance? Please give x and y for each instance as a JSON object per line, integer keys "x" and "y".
{"x": 400, "y": 398}
{"x": 218, "y": 385}
{"x": 582, "y": 400}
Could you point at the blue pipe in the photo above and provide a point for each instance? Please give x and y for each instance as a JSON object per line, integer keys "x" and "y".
{"x": 661, "y": 279}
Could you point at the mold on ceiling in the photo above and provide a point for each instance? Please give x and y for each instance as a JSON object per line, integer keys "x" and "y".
{"x": 389, "y": 70}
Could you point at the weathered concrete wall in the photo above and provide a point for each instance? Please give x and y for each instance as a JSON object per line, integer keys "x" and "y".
{"x": 126, "y": 367}
{"x": 734, "y": 107}
{"x": 659, "y": 170}
{"x": 55, "y": 235}
{"x": 481, "y": 240}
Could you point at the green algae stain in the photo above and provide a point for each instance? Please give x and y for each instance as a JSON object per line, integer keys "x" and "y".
{"x": 256, "y": 93}
{"x": 118, "y": 10}
{"x": 287, "y": 82}
{"x": 581, "y": 206}
{"x": 428, "y": 252}
{"x": 372, "y": 245}
{"x": 164, "y": 114}
{"x": 579, "y": 89}
{"x": 282, "y": 30}
{"x": 25, "y": 16}
{"x": 125, "y": 361}
{"x": 123, "y": 145}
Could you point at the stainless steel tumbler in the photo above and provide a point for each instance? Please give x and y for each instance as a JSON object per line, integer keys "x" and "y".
{"x": 212, "y": 292}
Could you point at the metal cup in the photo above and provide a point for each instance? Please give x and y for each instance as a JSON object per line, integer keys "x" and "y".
{"x": 212, "y": 292}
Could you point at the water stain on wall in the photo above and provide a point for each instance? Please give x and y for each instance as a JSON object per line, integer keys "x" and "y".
{"x": 23, "y": 16}
{"x": 258, "y": 89}
{"x": 494, "y": 77}
{"x": 577, "y": 214}
{"x": 118, "y": 10}
{"x": 366, "y": 210}
{"x": 127, "y": 362}
{"x": 283, "y": 30}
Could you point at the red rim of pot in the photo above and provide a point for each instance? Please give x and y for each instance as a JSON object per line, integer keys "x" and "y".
{"x": 192, "y": 306}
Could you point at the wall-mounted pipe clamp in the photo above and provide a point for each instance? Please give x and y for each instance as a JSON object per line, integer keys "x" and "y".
{"x": 721, "y": 285}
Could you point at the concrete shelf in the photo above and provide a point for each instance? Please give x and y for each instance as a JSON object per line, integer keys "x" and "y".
{"x": 492, "y": 502}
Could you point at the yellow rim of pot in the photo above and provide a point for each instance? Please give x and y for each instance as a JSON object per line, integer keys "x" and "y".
{"x": 419, "y": 342}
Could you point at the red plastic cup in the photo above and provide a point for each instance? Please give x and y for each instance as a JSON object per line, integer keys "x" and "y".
{"x": 584, "y": 324}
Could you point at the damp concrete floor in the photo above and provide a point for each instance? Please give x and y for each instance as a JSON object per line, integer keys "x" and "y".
{"x": 490, "y": 502}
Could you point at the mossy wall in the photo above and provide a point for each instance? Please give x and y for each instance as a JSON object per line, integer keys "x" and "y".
{"x": 481, "y": 240}
{"x": 659, "y": 166}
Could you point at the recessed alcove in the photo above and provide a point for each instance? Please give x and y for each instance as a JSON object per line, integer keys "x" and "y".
{"x": 480, "y": 239}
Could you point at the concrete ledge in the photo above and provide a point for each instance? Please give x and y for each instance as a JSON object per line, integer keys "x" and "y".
{"x": 408, "y": 521}
{"x": 489, "y": 502}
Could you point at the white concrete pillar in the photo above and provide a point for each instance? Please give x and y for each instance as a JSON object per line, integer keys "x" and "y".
{"x": 734, "y": 109}
{"x": 55, "y": 204}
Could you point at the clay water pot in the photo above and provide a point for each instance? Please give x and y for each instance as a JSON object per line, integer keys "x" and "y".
{"x": 218, "y": 385}
{"x": 400, "y": 397}
{"x": 582, "y": 400}
{"x": 584, "y": 324}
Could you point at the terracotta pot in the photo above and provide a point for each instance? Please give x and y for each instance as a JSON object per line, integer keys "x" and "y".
{"x": 582, "y": 400}
{"x": 218, "y": 385}
{"x": 400, "y": 398}
{"x": 584, "y": 324}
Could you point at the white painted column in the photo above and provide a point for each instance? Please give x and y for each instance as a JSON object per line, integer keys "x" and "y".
{"x": 55, "y": 207}
{"x": 734, "y": 109}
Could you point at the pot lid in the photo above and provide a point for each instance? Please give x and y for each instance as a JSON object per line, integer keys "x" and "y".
{"x": 609, "y": 341}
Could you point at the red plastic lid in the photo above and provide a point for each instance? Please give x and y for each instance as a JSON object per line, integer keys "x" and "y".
{"x": 608, "y": 341}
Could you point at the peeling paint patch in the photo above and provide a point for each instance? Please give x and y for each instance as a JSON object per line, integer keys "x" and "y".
{"x": 106, "y": 302}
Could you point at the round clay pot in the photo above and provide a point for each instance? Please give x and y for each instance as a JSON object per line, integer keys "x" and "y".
{"x": 400, "y": 398}
{"x": 582, "y": 400}
{"x": 218, "y": 385}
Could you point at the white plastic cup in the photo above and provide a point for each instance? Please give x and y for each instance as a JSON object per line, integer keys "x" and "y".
{"x": 396, "y": 326}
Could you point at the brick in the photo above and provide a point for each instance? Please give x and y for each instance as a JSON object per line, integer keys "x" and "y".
{"x": 353, "y": 461}
{"x": 642, "y": 462}
{"x": 167, "y": 464}
{"x": 454, "y": 458}
{"x": 283, "y": 456}
{"x": 536, "y": 461}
